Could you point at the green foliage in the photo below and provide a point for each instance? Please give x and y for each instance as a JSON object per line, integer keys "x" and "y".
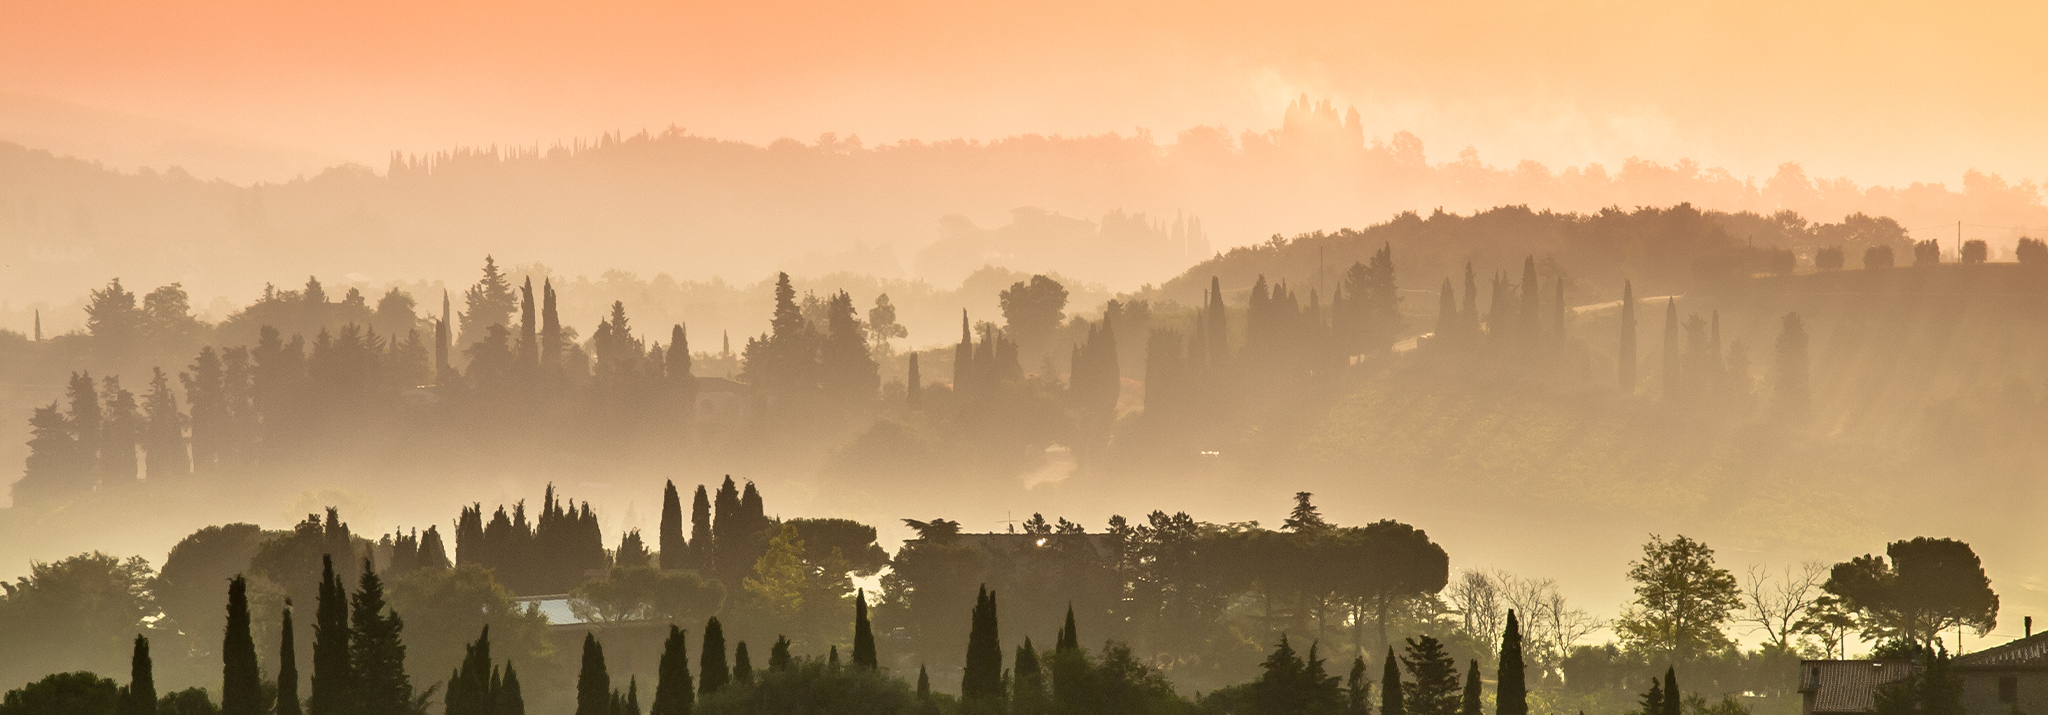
{"x": 1512, "y": 694}
{"x": 593, "y": 682}
{"x": 190, "y": 701}
{"x": 675, "y": 693}
{"x": 1433, "y": 689}
{"x": 1933, "y": 689}
{"x": 714, "y": 673}
{"x": 77, "y": 693}
{"x": 445, "y": 607}
{"x": 981, "y": 680}
{"x": 241, "y": 691}
{"x": 80, "y": 612}
{"x": 1928, "y": 586}
{"x": 811, "y": 688}
{"x": 1682, "y": 600}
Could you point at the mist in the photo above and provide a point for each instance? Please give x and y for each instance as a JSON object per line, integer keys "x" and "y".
{"x": 1251, "y": 364}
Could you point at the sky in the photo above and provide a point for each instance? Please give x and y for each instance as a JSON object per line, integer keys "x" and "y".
{"x": 1881, "y": 92}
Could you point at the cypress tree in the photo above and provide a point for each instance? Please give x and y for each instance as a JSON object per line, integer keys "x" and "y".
{"x": 287, "y": 666}
{"x": 1070, "y": 637}
{"x": 1625, "y": 356}
{"x": 682, "y": 381}
{"x": 444, "y": 371}
{"x": 550, "y": 329}
{"x": 924, "y": 685}
{"x": 963, "y": 357}
{"x": 1512, "y": 694}
{"x": 632, "y": 696}
{"x": 712, "y": 671}
{"x": 1029, "y": 688}
{"x": 725, "y": 533}
{"x": 332, "y": 676}
{"x": 471, "y": 688}
{"x": 700, "y": 528}
{"x": 593, "y": 684}
{"x": 913, "y": 388}
{"x": 1470, "y": 704}
{"x": 981, "y": 680}
{"x": 377, "y": 649}
{"x": 1390, "y": 686}
{"x": 673, "y": 548}
{"x": 863, "y": 634}
{"x": 742, "y": 665}
{"x": 1357, "y": 688}
{"x": 508, "y": 700}
{"x": 1447, "y": 319}
{"x": 1673, "y": 701}
{"x": 529, "y": 337}
{"x": 832, "y": 659}
{"x": 675, "y": 693}
{"x": 778, "y": 655}
{"x": 241, "y": 688}
{"x": 139, "y": 698}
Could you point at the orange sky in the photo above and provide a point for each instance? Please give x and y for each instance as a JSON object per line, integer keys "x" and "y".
{"x": 1884, "y": 92}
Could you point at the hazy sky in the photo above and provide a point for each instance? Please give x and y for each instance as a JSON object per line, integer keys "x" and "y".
{"x": 1886, "y": 92}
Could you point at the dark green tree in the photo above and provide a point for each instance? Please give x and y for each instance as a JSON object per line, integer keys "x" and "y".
{"x": 79, "y": 693}
{"x": 1027, "y": 691}
{"x": 1391, "y": 687}
{"x": 742, "y": 665}
{"x": 1434, "y": 690}
{"x": 139, "y": 696}
{"x": 1682, "y": 600}
{"x": 714, "y": 674}
{"x": 674, "y": 550}
{"x": 333, "y": 671}
{"x": 1357, "y": 689}
{"x": 377, "y": 649}
{"x": 700, "y": 529}
{"x": 1932, "y": 689}
{"x": 675, "y": 692}
{"x": 981, "y": 680}
{"x": 1511, "y": 696}
{"x": 1470, "y": 704}
{"x": 593, "y": 683}
{"x": 241, "y": 689}
{"x": 1674, "y": 699}
{"x": 913, "y": 386}
{"x": 863, "y": 634}
{"x": 778, "y": 655}
{"x": 287, "y": 666}
{"x": 1671, "y": 350}
{"x": 1928, "y": 586}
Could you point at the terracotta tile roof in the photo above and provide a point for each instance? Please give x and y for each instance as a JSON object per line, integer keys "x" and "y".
{"x": 2030, "y": 652}
{"x": 1848, "y": 686}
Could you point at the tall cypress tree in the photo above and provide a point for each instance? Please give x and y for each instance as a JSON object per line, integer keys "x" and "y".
{"x": 924, "y": 685}
{"x": 713, "y": 673}
{"x": 1357, "y": 688}
{"x": 1028, "y": 681}
{"x": 333, "y": 676}
{"x": 675, "y": 692}
{"x": 1390, "y": 686}
{"x": 139, "y": 698}
{"x": 1512, "y": 694}
{"x": 508, "y": 699}
{"x": 700, "y": 528}
{"x": 593, "y": 684}
{"x": 1469, "y": 705}
{"x": 377, "y": 649}
{"x": 241, "y": 688}
{"x": 1625, "y": 356}
{"x": 674, "y": 550}
{"x": 444, "y": 371}
{"x": 981, "y": 680}
{"x": 742, "y": 665}
{"x": 1070, "y": 637}
{"x": 550, "y": 330}
{"x": 287, "y": 666}
{"x": 863, "y": 634}
{"x": 529, "y": 334}
{"x": 778, "y": 655}
{"x": 1674, "y": 703}
{"x": 682, "y": 381}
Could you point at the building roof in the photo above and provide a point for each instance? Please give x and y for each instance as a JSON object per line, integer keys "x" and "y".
{"x": 2029, "y": 652}
{"x": 1848, "y": 686}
